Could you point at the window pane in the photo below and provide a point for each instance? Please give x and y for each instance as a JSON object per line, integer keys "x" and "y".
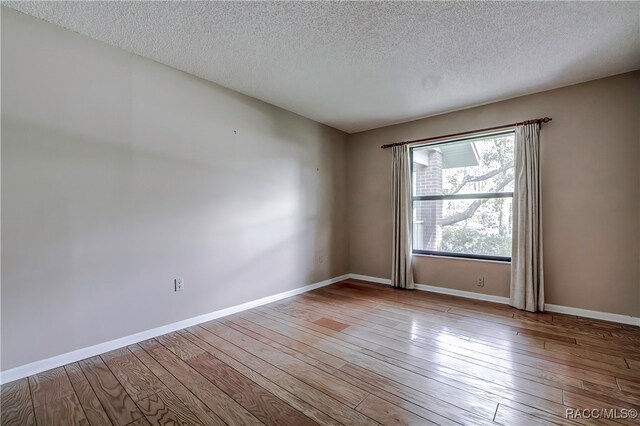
{"x": 464, "y": 167}
{"x": 475, "y": 226}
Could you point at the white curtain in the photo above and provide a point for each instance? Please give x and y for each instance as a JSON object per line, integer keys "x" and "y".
{"x": 527, "y": 280}
{"x": 401, "y": 273}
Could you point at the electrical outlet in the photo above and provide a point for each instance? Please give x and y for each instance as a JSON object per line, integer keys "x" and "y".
{"x": 179, "y": 284}
{"x": 480, "y": 282}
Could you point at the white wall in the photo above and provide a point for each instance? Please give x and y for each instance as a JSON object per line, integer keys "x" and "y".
{"x": 120, "y": 174}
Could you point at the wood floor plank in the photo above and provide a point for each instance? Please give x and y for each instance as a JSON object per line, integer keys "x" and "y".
{"x": 49, "y": 386}
{"x": 114, "y": 399}
{"x": 502, "y": 315}
{"x": 343, "y": 302}
{"x": 472, "y": 313}
{"x": 543, "y": 375}
{"x": 392, "y": 378}
{"x": 607, "y": 400}
{"x": 525, "y": 361}
{"x": 435, "y": 321}
{"x": 204, "y": 413}
{"x": 325, "y": 403}
{"x": 441, "y": 353}
{"x": 508, "y": 416}
{"x": 629, "y": 386}
{"x": 74, "y": 372}
{"x": 279, "y": 388}
{"x": 352, "y": 353}
{"x": 629, "y": 351}
{"x": 634, "y": 363}
{"x": 163, "y": 408}
{"x": 282, "y": 342}
{"x": 477, "y": 406}
{"x": 437, "y": 412}
{"x": 488, "y": 314}
{"x": 225, "y": 407}
{"x": 265, "y": 406}
{"x": 609, "y": 355}
{"x": 135, "y": 377}
{"x": 16, "y": 406}
{"x": 450, "y": 411}
{"x": 61, "y": 411}
{"x": 93, "y": 409}
{"x": 389, "y": 414}
{"x": 442, "y": 320}
{"x": 584, "y": 402}
{"x": 600, "y": 391}
{"x": 140, "y": 422}
{"x": 455, "y": 368}
{"x": 333, "y": 386}
{"x": 183, "y": 349}
{"x": 332, "y": 324}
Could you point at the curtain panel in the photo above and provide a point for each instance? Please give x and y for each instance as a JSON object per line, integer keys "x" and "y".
{"x": 401, "y": 272}
{"x": 527, "y": 278}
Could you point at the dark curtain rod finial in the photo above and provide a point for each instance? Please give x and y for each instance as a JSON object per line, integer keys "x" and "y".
{"x": 536, "y": 120}
{"x": 504, "y": 126}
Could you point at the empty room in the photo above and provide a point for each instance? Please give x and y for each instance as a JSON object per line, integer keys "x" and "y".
{"x": 309, "y": 212}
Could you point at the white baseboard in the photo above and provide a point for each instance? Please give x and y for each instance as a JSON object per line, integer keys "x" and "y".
{"x": 586, "y": 313}
{"x": 605, "y": 316}
{"x": 462, "y": 293}
{"x": 434, "y": 289}
{"x": 370, "y": 279}
{"x": 80, "y": 354}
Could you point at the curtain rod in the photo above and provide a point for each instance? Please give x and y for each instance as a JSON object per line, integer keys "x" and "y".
{"x": 536, "y": 120}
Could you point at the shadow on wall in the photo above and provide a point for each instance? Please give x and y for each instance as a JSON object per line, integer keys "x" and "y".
{"x": 324, "y": 180}
{"x": 272, "y": 135}
{"x": 91, "y": 226}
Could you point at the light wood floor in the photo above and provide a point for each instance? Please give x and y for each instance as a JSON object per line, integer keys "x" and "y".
{"x": 352, "y": 353}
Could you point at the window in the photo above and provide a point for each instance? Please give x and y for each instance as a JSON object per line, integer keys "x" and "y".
{"x": 462, "y": 193}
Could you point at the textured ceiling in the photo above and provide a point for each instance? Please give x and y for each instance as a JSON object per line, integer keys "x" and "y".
{"x": 361, "y": 65}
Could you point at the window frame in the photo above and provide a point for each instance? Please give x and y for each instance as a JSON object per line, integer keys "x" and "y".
{"x": 485, "y": 195}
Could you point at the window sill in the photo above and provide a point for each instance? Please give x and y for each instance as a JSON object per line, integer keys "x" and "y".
{"x": 503, "y": 262}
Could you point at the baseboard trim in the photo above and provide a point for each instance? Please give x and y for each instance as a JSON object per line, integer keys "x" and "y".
{"x": 462, "y": 293}
{"x": 370, "y": 279}
{"x": 80, "y": 354}
{"x": 586, "y": 313}
{"x": 435, "y": 289}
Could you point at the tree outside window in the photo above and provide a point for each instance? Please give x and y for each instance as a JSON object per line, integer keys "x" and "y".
{"x": 462, "y": 197}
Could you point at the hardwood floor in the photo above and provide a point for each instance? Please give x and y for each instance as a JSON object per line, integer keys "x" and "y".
{"x": 352, "y": 353}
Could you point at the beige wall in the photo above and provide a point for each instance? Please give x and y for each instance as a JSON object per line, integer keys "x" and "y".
{"x": 590, "y": 163}
{"x": 120, "y": 174}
